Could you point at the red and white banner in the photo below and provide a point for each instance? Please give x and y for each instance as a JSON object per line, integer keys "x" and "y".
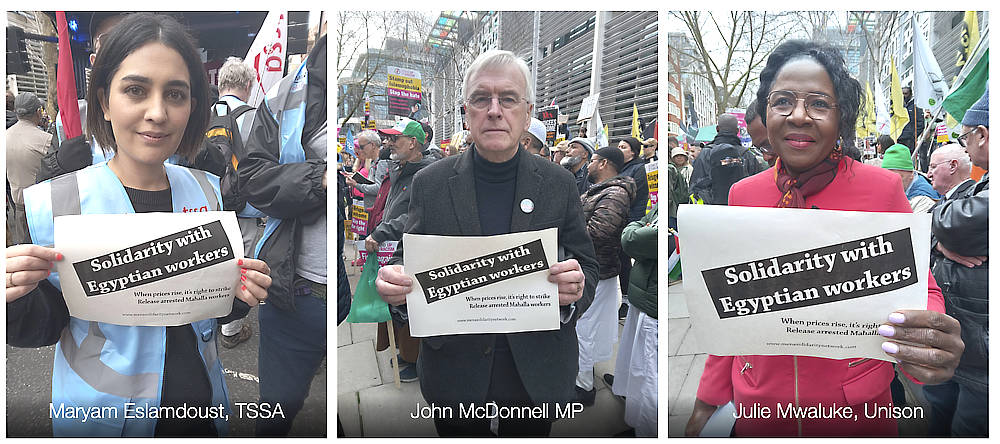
{"x": 267, "y": 55}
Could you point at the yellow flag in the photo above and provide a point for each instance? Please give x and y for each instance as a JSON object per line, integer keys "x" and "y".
{"x": 899, "y": 117}
{"x": 870, "y": 125}
{"x": 635, "y": 123}
{"x": 970, "y": 37}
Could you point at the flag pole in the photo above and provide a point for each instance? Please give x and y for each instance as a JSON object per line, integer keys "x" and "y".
{"x": 392, "y": 348}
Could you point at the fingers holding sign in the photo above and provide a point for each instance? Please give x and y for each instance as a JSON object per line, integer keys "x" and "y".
{"x": 255, "y": 279}
{"x": 938, "y": 344}
{"x": 393, "y": 284}
{"x": 27, "y": 265}
{"x": 570, "y": 278}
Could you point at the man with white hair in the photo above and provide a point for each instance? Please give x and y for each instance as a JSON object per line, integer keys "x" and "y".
{"x": 950, "y": 170}
{"x": 235, "y": 81}
{"x": 498, "y": 188}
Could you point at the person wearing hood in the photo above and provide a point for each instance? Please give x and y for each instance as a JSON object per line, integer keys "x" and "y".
{"x": 919, "y": 191}
{"x": 389, "y": 216}
{"x": 605, "y": 210}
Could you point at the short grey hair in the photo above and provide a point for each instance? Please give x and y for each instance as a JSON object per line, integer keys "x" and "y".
{"x": 235, "y": 74}
{"x": 496, "y": 58}
{"x": 957, "y": 152}
{"x": 369, "y": 136}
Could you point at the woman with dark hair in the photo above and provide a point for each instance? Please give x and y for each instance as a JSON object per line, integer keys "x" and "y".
{"x": 808, "y": 101}
{"x": 148, "y": 89}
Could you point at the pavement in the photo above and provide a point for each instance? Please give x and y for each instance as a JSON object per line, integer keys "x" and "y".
{"x": 686, "y": 362}
{"x": 370, "y": 405}
{"x": 29, "y": 388}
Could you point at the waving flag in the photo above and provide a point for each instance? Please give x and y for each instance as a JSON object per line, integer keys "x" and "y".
{"x": 267, "y": 55}
{"x": 636, "y": 132}
{"x": 881, "y": 110}
{"x": 66, "y": 82}
{"x": 929, "y": 86}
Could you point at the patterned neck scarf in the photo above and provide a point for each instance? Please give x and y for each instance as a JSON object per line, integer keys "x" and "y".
{"x": 795, "y": 189}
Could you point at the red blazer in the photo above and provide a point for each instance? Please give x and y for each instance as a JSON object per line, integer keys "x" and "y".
{"x": 810, "y": 381}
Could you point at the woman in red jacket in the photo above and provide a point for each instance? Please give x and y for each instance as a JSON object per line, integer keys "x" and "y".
{"x": 812, "y": 172}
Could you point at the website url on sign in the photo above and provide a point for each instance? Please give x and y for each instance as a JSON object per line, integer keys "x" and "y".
{"x": 485, "y": 319}
{"x": 809, "y": 344}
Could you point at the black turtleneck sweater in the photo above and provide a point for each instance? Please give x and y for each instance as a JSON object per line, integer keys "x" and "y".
{"x": 496, "y": 184}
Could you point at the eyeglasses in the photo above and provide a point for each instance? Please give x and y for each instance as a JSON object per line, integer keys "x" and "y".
{"x": 935, "y": 165}
{"x": 482, "y": 102}
{"x": 961, "y": 139}
{"x": 818, "y": 106}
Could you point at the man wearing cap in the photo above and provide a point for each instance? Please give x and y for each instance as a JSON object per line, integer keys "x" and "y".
{"x": 497, "y": 188}
{"x": 534, "y": 138}
{"x": 26, "y": 144}
{"x": 577, "y": 157}
{"x": 960, "y": 407}
{"x": 918, "y": 190}
{"x": 389, "y": 219}
{"x": 606, "y": 211}
{"x": 680, "y": 158}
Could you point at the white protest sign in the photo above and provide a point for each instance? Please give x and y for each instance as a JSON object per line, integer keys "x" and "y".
{"x": 588, "y": 107}
{"x": 267, "y": 55}
{"x": 481, "y": 284}
{"x": 788, "y": 281}
{"x": 151, "y": 269}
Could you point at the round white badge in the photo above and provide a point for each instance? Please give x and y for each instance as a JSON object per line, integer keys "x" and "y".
{"x": 527, "y": 206}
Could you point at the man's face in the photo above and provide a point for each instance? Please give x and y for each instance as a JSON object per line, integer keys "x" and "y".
{"x": 557, "y": 156}
{"x": 626, "y": 150}
{"x": 496, "y": 129}
{"x": 977, "y": 144}
{"x": 680, "y": 160}
{"x": 907, "y": 93}
{"x": 577, "y": 150}
{"x": 940, "y": 172}
{"x": 758, "y": 134}
{"x": 529, "y": 144}
{"x": 595, "y": 167}
{"x": 403, "y": 148}
{"x": 906, "y": 176}
{"x": 648, "y": 150}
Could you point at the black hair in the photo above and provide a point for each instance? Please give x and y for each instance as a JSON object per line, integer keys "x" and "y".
{"x": 847, "y": 88}
{"x": 429, "y": 134}
{"x": 634, "y": 144}
{"x": 885, "y": 141}
{"x": 133, "y": 32}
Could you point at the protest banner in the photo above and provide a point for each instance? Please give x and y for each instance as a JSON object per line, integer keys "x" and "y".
{"x": 822, "y": 290}
{"x": 385, "y": 251}
{"x": 149, "y": 269}
{"x": 359, "y": 218}
{"x": 653, "y": 181}
{"x": 403, "y": 90}
{"x": 267, "y": 55}
{"x": 549, "y": 116}
{"x": 481, "y": 284}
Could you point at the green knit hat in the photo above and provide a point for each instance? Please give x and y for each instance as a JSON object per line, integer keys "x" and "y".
{"x": 897, "y": 157}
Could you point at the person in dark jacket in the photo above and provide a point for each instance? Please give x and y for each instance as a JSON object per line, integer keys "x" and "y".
{"x": 284, "y": 176}
{"x": 578, "y": 154}
{"x": 637, "y": 359}
{"x": 908, "y": 136}
{"x": 708, "y": 188}
{"x": 495, "y": 188}
{"x": 605, "y": 208}
{"x": 960, "y": 406}
{"x": 635, "y": 167}
{"x": 407, "y": 155}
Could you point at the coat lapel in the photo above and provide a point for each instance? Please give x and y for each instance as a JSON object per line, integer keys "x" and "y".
{"x": 529, "y": 181}
{"x": 462, "y": 189}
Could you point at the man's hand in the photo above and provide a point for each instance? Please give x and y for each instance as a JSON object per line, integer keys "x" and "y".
{"x": 968, "y": 261}
{"x": 393, "y": 284}
{"x": 27, "y": 265}
{"x": 570, "y": 278}
{"x": 371, "y": 245}
{"x": 939, "y": 340}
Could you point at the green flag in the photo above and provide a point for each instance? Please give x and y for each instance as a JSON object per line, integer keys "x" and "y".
{"x": 970, "y": 87}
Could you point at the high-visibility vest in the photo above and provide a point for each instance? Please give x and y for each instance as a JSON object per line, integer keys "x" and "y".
{"x": 117, "y": 370}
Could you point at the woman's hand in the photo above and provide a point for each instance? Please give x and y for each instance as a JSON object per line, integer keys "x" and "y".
{"x": 699, "y": 417}
{"x": 27, "y": 265}
{"x": 255, "y": 278}
{"x": 939, "y": 344}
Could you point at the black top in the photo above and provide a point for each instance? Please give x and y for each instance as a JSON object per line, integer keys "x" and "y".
{"x": 496, "y": 184}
